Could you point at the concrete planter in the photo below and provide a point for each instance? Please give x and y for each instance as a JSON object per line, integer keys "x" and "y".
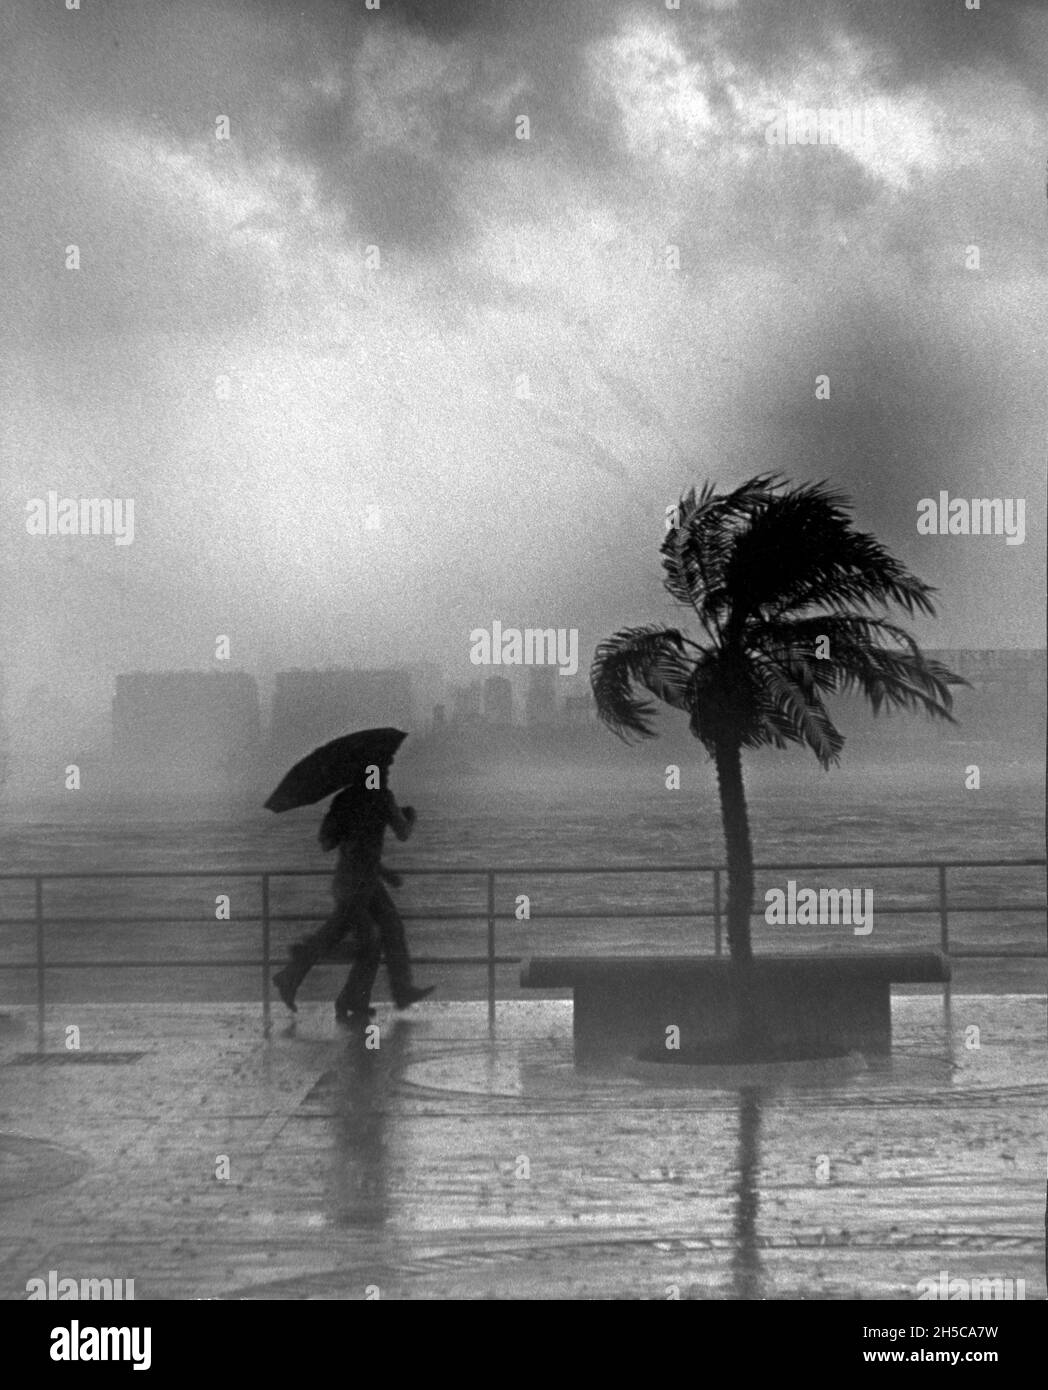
{"x": 812, "y": 1006}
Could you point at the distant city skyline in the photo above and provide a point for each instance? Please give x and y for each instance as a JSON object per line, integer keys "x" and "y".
{"x": 50, "y": 709}
{"x": 1009, "y": 691}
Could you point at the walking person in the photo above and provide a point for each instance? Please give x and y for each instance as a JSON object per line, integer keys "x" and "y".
{"x": 355, "y": 825}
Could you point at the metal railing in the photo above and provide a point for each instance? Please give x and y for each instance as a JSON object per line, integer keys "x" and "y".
{"x": 941, "y": 908}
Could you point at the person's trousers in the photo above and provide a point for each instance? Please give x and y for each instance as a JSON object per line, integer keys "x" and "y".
{"x": 351, "y": 914}
{"x": 370, "y": 913}
{"x": 389, "y": 941}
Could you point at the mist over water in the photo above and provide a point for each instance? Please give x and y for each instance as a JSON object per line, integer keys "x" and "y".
{"x": 564, "y": 810}
{"x": 522, "y": 819}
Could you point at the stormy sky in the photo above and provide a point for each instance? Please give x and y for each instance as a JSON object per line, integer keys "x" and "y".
{"x": 377, "y": 483}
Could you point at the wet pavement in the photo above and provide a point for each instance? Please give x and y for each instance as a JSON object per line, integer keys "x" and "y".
{"x": 444, "y": 1163}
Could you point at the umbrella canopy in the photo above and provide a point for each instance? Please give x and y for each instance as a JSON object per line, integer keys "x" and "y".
{"x": 340, "y": 763}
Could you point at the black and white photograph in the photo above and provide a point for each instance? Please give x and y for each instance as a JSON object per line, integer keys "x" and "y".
{"x": 522, "y": 691}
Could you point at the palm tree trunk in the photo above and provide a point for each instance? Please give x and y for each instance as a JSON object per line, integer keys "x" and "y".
{"x": 728, "y": 759}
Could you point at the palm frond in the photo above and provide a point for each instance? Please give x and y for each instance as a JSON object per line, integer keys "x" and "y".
{"x": 697, "y": 550}
{"x": 652, "y": 657}
{"x": 796, "y": 713}
{"x": 754, "y": 703}
{"x": 800, "y": 550}
{"x": 901, "y": 677}
{"x": 756, "y": 564}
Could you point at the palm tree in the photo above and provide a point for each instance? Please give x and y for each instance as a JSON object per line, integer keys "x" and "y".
{"x": 791, "y": 601}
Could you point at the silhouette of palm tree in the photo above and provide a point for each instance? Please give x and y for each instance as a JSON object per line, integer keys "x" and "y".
{"x": 791, "y": 601}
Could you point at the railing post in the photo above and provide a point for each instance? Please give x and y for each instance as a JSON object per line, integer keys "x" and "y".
{"x": 40, "y": 997}
{"x": 265, "y": 954}
{"x": 717, "y": 943}
{"x": 944, "y": 924}
{"x": 491, "y": 951}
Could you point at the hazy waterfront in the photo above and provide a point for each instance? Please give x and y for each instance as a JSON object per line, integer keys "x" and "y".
{"x": 566, "y": 817}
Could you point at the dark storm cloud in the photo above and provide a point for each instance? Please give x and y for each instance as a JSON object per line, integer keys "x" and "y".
{"x": 401, "y": 199}
{"x": 913, "y": 408}
{"x": 918, "y": 38}
{"x": 450, "y": 19}
{"x": 540, "y": 50}
{"x": 920, "y": 34}
{"x": 169, "y": 70}
{"x": 410, "y": 197}
{"x": 924, "y": 36}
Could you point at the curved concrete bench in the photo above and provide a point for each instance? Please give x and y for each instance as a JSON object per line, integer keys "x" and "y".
{"x": 817, "y": 1005}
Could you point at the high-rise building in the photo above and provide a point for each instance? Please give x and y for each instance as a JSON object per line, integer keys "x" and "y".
{"x": 498, "y": 700}
{"x": 466, "y": 703}
{"x": 1003, "y": 702}
{"x": 312, "y": 707}
{"x": 1015, "y": 669}
{"x": 427, "y": 683}
{"x": 178, "y": 721}
{"x": 540, "y": 705}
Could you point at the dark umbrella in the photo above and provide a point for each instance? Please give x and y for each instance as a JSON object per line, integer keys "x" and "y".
{"x": 337, "y": 764}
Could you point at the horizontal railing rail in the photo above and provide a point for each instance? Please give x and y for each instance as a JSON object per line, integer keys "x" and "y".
{"x": 941, "y": 907}
{"x": 539, "y": 869}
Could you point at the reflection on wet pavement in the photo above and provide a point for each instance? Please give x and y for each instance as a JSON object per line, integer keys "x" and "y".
{"x": 425, "y": 1160}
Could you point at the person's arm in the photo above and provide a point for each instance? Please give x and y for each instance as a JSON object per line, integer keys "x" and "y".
{"x": 402, "y": 821}
{"x": 329, "y": 834}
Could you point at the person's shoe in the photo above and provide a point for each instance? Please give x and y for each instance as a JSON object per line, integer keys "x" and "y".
{"x": 349, "y": 1017}
{"x": 287, "y": 982}
{"x": 412, "y": 995}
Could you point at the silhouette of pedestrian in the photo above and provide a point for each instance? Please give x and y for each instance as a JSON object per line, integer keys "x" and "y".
{"x": 355, "y": 825}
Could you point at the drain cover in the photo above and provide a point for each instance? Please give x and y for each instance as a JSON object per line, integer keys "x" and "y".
{"x": 100, "y": 1059}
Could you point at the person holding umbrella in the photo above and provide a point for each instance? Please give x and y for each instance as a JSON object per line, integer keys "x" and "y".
{"x": 355, "y": 825}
